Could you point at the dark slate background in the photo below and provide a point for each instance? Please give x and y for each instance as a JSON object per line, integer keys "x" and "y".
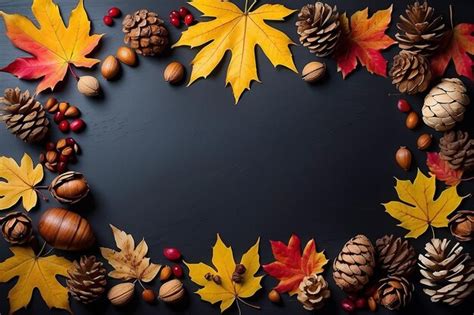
{"x": 177, "y": 165}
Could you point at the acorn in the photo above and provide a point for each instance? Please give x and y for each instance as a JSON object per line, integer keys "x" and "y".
{"x": 403, "y": 158}
{"x": 69, "y": 187}
{"x": 127, "y": 55}
{"x": 174, "y": 72}
{"x": 110, "y": 67}
{"x": 171, "y": 291}
{"x": 88, "y": 85}
{"x": 64, "y": 229}
{"x": 424, "y": 141}
{"x": 412, "y": 120}
{"x": 121, "y": 294}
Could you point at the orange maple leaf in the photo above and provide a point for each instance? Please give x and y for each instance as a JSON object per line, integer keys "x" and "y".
{"x": 458, "y": 48}
{"x": 441, "y": 170}
{"x": 290, "y": 266}
{"x": 363, "y": 40}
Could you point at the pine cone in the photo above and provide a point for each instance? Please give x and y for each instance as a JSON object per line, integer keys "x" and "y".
{"x": 395, "y": 256}
{"x": 394, "y": 292}
{"x": 420, "y": 31}
{"x": 462, "y": 225}
{"x": 445, "y": 104}
{"x": 87, "y": 279}
{"x": 313, "y": 292}
{"x": 457, "y": 149}
{"x": 17, "y": 228}
{"x": 24, "y": 116}
{"x": 410, "y": 73}
{"x": 447, "y": 273}
{"x": 319, "y": 28}
{"x": 355, "y": 264}
{"x": 145, "y": 33}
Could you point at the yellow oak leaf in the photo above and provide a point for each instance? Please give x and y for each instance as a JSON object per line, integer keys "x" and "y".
{"x": 19, "y": 182}
{"x": 228, "y": 291}
{"x": 35, "y": 272}
{"x": 130, "y": 262}
{"x": 418, "y": 208}
{"x": 238, "y": 31}
{"x": 54, "y": 46}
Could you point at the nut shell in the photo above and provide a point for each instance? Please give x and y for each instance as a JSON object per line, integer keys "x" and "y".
{"x": 110, "y": 67}
{"x": 127, "y": 55}
{"x": 88, "y": 85}
{"x": 174, "y": 72}
{"x": 403, "y": 158}
{"x": 69, "y": 187}
{"x": 64, "y": 229}
{"x": 171, "y": 291}
{"x": 121, "y": 294}
{"x": 17, "y": 228}
{"x": 424, "y": 141}
{"x": 313, "y": 71}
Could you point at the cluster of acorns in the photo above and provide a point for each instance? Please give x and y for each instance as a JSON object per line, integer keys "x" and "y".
{"x": 446, "y": 272}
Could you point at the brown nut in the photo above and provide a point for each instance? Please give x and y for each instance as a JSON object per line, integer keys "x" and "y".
{"x": 165, "y": 273}
{"x": 403, "y": 158}
{"x": 424, "y": 141}
{"x": 51, "y": 105}
{"x": 61, "y": 144}
{"x": 63, "y": 106}
{"x": 372, "y": 304}
{"x": 121, "y": 294}
{"x": 110, "y": 67}
{"x": 72, "y": 112}
{"x": 69, "y": 187}
{"x": 313, "y": 71}
{"x": 274, "y": 296}
{"x": 174, "y": 72}
{"x": 67, "y": 151}
{"x": 88, "y": 85}
{"x": 171, "y": 291}
{"x": 51, "y": 156}
{"x": 412, "y": 120}
{"x": 17, "y": 228}
{"x": 127, "y": 55}
{"x": 52, "y": 167}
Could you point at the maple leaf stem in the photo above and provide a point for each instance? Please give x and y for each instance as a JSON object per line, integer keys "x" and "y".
{"x": 49, "y": 251}
{"x": 451, "y": 15}
{"x": 141, "y": 284}
{"x": 246, "y": 303}
{"x": 41, "y": 250}
{"x": 432, "y": 231}
{"x": 74, "y": 74}
{"x": 238, "y": 307}
{"x": 251, "y": 6}
{"x": 43, "y": 197}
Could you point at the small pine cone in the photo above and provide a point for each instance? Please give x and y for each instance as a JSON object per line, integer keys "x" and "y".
{"x": 420, "y": 31}
{"x": 24, "y": 116}
{"x": 319, "y": 28}
{"x": 445, "y": 104}
{"x": 457, "y": 149}
{"x": 394, "y": 292}
{"x": 355, "y": 264}
{"x": 447, "y": 273}
{"x": 313, "y": 292}
{"x": 145, "y": 33}
{"x": 395, "y": 256}
{"x": 462, "y": 225}
{"x": 410, "y": 73}
{"x": 87, "y": 279}
{"x": 17, "y": 228}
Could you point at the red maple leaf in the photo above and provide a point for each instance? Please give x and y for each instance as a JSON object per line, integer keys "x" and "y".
{"x": 441, "y": 170}
{"x": 290, "y": 266}
{"x": 458, "y": 48}
{"x": 363, "y": 40}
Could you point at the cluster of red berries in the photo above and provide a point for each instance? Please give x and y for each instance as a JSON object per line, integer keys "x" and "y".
{"x": 62, "y": 112}
{"x": 181, "y": 14}
{"x": 112, "y": 13}
{"x": 174, "y": 254}
{"x": 365, "y": 301}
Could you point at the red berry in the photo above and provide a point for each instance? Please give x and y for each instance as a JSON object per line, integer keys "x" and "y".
{"x": 172, "y": 253}
{"x": 175, "y": 21}
{"x": 175, "y": 14}
{"x": 108, "y": 20}
{"x": 361, "y": 303}
{"x": 78, "y": 125}
{"x": 64, "y": 126}
{"x": 177, "y": 271}
{"x": 63, "y": 158}
{"x": 58, "y": 117}
{"x": 62, "y": 167}
{"x": 188, "y": 19}
{"x": 183, "y": 12}
{"x": 347, "y": 305}
{"x": 114, "y": 12}
{"x": 50, "y": 146}
{"x": 149, "y": 296}
{"x": 403, "y": 106}
{"x": 70, "y": 141}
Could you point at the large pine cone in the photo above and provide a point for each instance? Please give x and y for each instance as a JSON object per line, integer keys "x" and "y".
{"x": 448, "y": 273}
{"x": 355, "y": 264}
{"x": 17, "y": 228}
{"x": 420, "y": 30}
{"x": 145, "y": 33}
{"x": 394, "y": 292}
{"x": 313, "y": 292}
{"x": 462, "y": 225}
{"x": 395, "y": 256}
{"x": 411, "y": 72}
{"x": 87, "y": 279}
{"x": 24, "y": 116}
{"x": 445, "y": 104}
{"x": 457, "y": 149}
{"x": 319, "y": 28}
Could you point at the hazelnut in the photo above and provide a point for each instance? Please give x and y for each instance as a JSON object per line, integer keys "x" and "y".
{"x": 171, "y": 291}
{"x": 121, "y": 294}
{"x": 313, "y": 71}
{"x": 88, "y": 85}
{"x": 174, "y": 72}
{"x": 127, "y": 55}
{"x": 110, "y": 67}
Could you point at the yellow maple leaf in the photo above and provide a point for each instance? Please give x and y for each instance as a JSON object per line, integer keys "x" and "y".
{"x": 19, "y": 182}
{"x": 224, "y": 265}
{"x": 130, "y": 262}
{"x": 35, "y": 272}
{"x": 238, "y": 31}
{"x": 53, "y": 45}
{"x": 418, "y": 209}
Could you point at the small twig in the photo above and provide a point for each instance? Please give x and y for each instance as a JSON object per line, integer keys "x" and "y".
{"x": 251, "y": 6}
{"x": 74, "y": 74}
{"x": 141, "y": 284}
{"x": 451, "y": 15}
{"x": 467, "y": 179}
{"x": 41, "y": 250}
{"x": 42, "y": 187}
{"x": 238, "y": 307}
{"x": 245, "y": 8}
{"x": 248, "y": 304}
{"x": 49, "y": 251}
{"x": 433, "y": 232}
